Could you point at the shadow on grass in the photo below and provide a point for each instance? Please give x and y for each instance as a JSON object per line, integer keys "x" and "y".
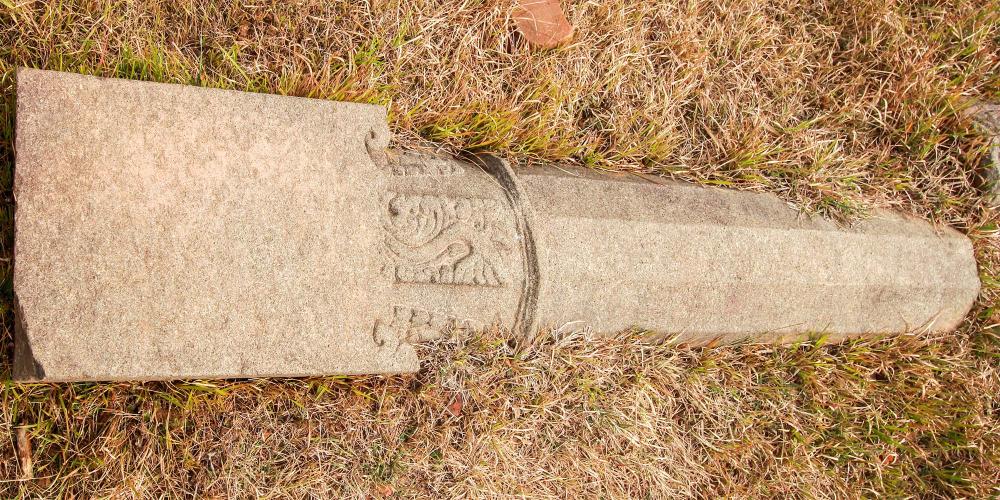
{"x": 8, "y": 110}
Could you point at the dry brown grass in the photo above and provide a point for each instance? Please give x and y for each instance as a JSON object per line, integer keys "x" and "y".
{"x": 836, "y": 105}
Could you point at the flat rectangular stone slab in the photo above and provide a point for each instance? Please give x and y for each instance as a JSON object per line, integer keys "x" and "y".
{"x": 169, "y": 231}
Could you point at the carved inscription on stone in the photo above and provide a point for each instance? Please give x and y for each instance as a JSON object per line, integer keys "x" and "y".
{"x": 413, "y": 324}
{"x": 436, "y": 239}
{"x": 410, "y": 163}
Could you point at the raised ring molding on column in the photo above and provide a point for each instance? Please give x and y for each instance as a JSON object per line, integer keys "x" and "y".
{"x": 525, "y": 318}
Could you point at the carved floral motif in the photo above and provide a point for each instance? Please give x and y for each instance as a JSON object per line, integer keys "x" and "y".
{"x": 443, "y": 240}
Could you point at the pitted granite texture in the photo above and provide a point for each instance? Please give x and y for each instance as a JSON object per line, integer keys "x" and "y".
{"x": 168, "y": 231}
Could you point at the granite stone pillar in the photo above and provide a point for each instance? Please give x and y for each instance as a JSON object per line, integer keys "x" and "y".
{"x": 168, "y": 231}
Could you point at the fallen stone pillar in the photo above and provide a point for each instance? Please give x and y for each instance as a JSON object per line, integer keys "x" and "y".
{"x": 707, "y": 263}
{"x": 167, "y": 231}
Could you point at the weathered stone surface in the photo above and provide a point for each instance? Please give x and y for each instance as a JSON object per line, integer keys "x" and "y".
{"x": 987, "y": 118}
{"x": 166, "y": 231}
{"x": 704, "y": 263}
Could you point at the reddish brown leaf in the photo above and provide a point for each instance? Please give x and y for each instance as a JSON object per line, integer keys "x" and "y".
{"x": 542, "y": 23}
{"x": 455, "y": 408}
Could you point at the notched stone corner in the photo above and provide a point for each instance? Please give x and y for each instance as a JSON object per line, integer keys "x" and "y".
{"x": 377, "y": 144}
{"x": 27, "y": 368}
